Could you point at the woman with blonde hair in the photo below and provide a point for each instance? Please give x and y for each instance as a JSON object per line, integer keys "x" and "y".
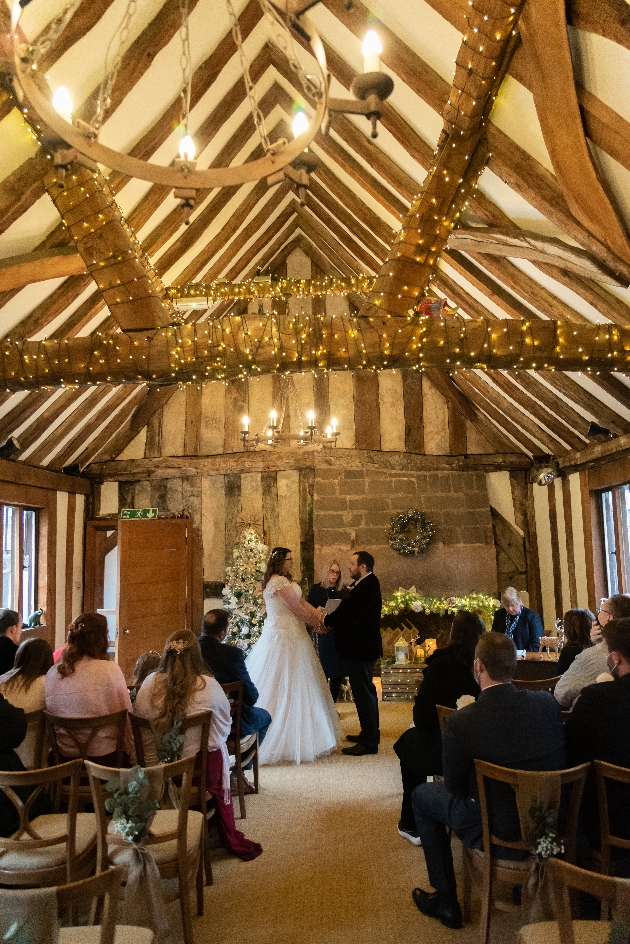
{"x": 330, "y": 587}
{"x": 522, "y": 625}
{"x": 285, "y": 670}
{"x": 24, "y": 687}
{"x": 182, "y": 686}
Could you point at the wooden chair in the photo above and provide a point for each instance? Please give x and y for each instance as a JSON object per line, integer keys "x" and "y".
{"x": 537, "y": 685}
{"x": 175, "y": 840}
{"x": 36, "y": 735}
{"x": 514, "y": 872}
{"x": 611, "y": 892}
{"x": 199, "y": 796}
{"x": 99, "y": 888}
{"x": 52, "y": 848}
{"x": 243, "y": 749}
{"x": 81, "y": 732}
{"x": 444, "y": 714}
{"x": 609, "y": 773}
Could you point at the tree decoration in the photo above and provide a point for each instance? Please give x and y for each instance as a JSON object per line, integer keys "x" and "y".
{"x": 402, "y": 601}
{"x": 410, "y": 532}
{"x": 242, "y": 595}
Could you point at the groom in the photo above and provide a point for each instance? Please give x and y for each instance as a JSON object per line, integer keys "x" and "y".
{"x": 357, "y": 625}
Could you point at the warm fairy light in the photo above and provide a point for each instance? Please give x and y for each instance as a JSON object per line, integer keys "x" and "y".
{"x": 187, "y": 148}
{"x": 371, "y": 50}
{"x": 300, "y": 124}
{"x": 62, "y": 103}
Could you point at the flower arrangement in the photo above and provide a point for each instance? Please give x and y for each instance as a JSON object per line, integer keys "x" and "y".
{"x": 132, "y": 810}
{"x": 544, "y": 829}
{"x": 403, "y": 600}
{"x": 242, "y": 596}
{"x": 171, "y": 745}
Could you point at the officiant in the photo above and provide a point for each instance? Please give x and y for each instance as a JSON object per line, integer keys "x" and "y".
{"x": 324, "y": 593}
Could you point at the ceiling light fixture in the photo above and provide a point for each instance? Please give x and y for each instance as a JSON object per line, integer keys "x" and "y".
{"x": 72, "y": 139}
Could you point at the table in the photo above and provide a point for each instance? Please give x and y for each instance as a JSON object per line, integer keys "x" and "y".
{"x": 533, "y": 667}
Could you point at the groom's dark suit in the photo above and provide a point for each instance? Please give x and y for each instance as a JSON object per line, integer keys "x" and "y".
{"x": 357, "y": 625}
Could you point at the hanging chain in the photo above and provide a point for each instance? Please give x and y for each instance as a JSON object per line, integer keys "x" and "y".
{"x": 257, "y": 115}
{"x": 283, "y": 38}
{"x": 34, "y": 51}
{"x": 104, "y": 99}
{"x": 185, "y": 63}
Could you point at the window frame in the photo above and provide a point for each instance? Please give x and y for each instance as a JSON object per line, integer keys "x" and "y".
{"x": 620, "y": 535}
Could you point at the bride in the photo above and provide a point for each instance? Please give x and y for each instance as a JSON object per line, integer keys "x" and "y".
{"x": 289, "y": 678}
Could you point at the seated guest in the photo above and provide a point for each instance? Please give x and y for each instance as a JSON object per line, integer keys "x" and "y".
{"x": 591, "y": 662}
{"x": 145, "y": 664}
{"x": 85, "y": 684}
{"x": 448, "y": 676}
{"x": 10, "y": 633}
{"x": 520, "y": 624}
{"x": 182, "y": 686}
{"x": 597, "y": 729}
{"x": 24, "y": 687}
{"x": 505, "y": 726}
{"x": 577, "y": 636}
{"x": 227, "y": 664}
{"x": 330, "y": 587}
{"x": 12, "y": 733}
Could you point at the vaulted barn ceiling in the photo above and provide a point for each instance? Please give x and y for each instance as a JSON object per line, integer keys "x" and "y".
{"x": 541, "y": 231}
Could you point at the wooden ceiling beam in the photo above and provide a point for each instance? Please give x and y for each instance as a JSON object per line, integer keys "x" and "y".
{"x": 251, "y": 256}
{"x": 613, "y": 386}
{"x": 75, "y": 423}
{"x": 458, "y": 295}
{"x": 323, "y": 237}
{"x": 443, "y": 383}
{"x": 536, "y": 410}
{"x": 48, "y": 417}
{"x": 543, "y": 28}
{"x": 601, "y": 413}
{"x": 39, "y": 266}
{"x": 358, "y": 207}
{"x": 53, "y": 306}
{"x": 495, "y": 416}
{"x": 528, "y": 423}
{"x": 364, "y": 256}
{"x": 17, "y": 415}
{"x": 524, "y": 244}
{"x": 128, "y": 397}
{"x": 533, "y": 384}
{"x": 153, "y": 400}
{"x": 355, "y": 225}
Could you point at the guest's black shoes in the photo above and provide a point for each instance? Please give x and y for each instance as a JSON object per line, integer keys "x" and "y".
{"x": 428, "y": 904}
{"x": 359, "y": 750}
{"x": 355, "y": 738}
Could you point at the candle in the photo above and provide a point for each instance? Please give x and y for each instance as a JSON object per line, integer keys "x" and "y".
{"x": 246, "y": 424}
{"x": 372, "y": 50}
{"x": 311, "y": 418}
{"x": 329, "y": 431}
{"x": 333, "y": 424}
{"x": 300, "y": 124}
{"x": 272, "y": 418}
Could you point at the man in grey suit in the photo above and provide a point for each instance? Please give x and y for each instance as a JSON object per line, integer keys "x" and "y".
{"x": 505, "y": 726}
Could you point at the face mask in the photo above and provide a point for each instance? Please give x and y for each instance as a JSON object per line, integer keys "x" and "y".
{"x": 611, "y": 668}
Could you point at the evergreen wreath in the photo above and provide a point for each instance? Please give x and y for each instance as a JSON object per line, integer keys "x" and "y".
{"x": 410, "y": 532}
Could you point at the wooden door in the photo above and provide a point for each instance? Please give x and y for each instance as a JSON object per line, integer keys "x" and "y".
{"x": 153, "y": 585}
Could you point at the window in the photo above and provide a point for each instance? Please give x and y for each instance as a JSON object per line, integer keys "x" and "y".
{"x": 19, "y": 559}
{"x": 615, "y": 512}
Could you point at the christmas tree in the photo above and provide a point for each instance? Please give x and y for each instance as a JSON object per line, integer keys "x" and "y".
{"x": 242, "y": 596}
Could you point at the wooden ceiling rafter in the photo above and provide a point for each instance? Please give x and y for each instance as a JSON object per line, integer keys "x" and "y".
{"x": 599, "y": 411}
{"x": 537, "y": 411}
{"x": 75, "y": 421}
{"x": 494, "y": 414}
{"x": 534, "y": 385}
{"x": 544, "y": 32}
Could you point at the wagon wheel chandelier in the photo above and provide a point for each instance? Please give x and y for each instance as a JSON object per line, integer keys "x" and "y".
{"x": 69, "y": 138}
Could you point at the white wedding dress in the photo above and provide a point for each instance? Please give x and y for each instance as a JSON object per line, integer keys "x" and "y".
{"x": 291, "y": 685}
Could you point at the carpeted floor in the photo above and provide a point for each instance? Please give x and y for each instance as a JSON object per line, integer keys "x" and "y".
{"x": 333, "y": 868}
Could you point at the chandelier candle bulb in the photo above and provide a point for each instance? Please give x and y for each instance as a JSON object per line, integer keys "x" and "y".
{"x": 272, "y": 419}
{"x": 300, "y": 124}
{"x": 187, "y": 148}
{"x": 246, "y": 424}
{"x": 371, "y": 50}
{"x": 333, "y": 424}
{"x": 311, "y": 418}
{"x": 62, "y": 103}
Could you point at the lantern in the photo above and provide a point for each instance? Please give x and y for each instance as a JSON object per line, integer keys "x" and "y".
{"x": 401, "y": 650}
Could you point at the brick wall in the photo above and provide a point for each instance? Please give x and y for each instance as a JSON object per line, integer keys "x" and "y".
{"x": 353, "y": 509}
